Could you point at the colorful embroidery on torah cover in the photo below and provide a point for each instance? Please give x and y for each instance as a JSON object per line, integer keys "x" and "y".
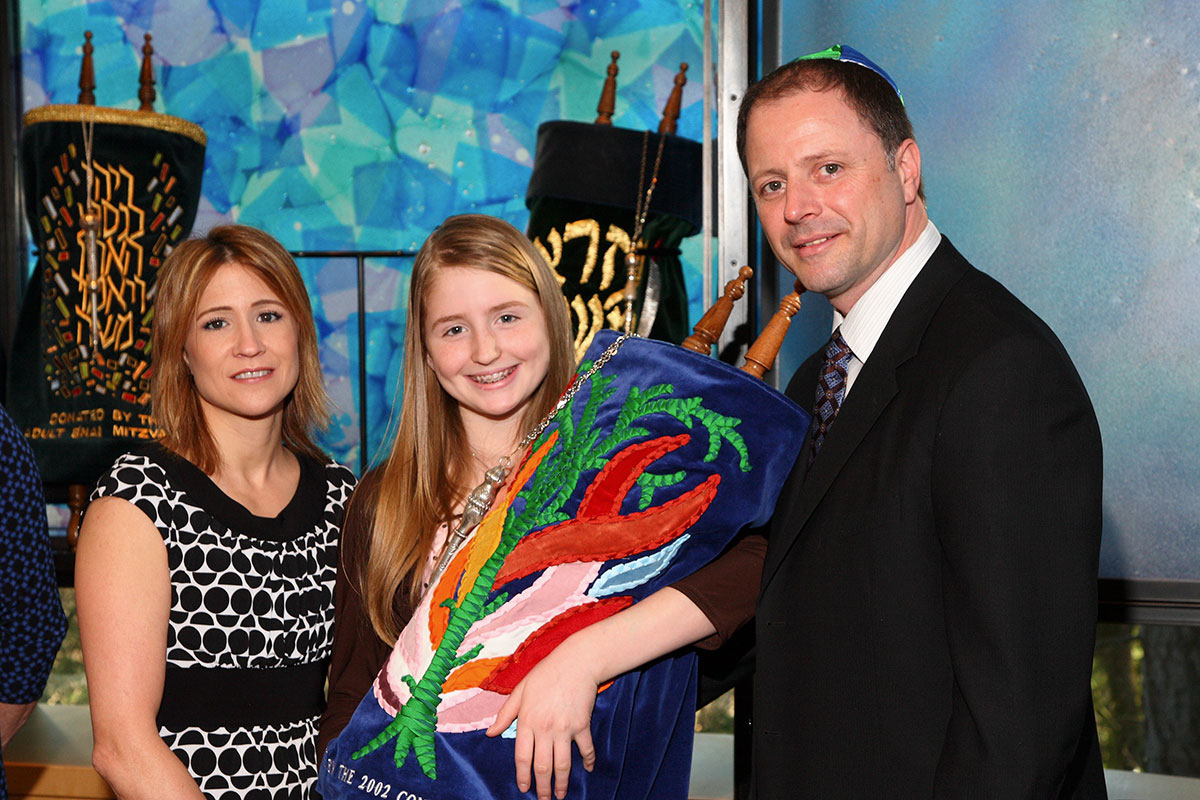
{"x": 657, "y": 463}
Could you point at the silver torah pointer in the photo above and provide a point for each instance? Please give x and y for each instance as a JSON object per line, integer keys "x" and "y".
{"x": 478, "y": 502}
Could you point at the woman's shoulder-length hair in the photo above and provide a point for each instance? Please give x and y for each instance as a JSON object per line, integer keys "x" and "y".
{"x": 181, "y": 281}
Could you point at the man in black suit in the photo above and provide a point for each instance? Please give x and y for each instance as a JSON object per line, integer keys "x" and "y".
{"x": 927, "y": 615}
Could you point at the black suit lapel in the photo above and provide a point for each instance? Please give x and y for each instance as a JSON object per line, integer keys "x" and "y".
{"x": 873, "y": 390}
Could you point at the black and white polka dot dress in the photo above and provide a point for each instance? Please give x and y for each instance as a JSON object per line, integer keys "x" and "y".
{"x": 251, "y": 619}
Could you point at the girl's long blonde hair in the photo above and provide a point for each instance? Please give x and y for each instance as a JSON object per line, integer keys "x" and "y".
{"x": 423, "y": 477}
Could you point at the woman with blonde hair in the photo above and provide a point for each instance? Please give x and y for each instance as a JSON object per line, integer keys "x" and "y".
{"x": 206, "y": 561}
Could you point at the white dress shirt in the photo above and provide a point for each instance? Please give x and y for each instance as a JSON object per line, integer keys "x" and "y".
{"x": 862, "y": 327}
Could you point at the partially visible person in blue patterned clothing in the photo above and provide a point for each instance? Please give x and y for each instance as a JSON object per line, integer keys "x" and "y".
{"x": 32, "y": 623}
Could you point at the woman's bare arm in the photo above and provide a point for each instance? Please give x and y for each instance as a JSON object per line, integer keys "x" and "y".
{"x": 123, "y": 597}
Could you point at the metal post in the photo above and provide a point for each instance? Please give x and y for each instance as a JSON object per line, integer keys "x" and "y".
{"x": 706, "y": 154}
{"x": 733, "y": 212}
{"x": 362, "y": 365}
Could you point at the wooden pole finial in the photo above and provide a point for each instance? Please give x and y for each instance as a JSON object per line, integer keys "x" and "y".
{"x": 671, "y": 110}
{"x": 709, "y": 328}
{"x": 146, "y": 91}
{"x": 87, "y": 73}
{"x": 77, "y": 495}
{"x": 608, "y": 95}
{"x": 761, "y": 355}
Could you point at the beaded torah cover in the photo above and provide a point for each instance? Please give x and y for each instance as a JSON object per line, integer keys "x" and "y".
{"x": 80, "y": 374}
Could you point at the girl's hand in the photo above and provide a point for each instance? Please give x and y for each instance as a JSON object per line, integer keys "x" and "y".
{"x": 553, "y": 705}
{"x": 554, "y": 702}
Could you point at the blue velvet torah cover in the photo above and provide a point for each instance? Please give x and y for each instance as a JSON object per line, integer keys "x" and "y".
{"x": 660, "y": 459}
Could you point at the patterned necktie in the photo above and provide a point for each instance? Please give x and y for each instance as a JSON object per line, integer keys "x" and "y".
{"x": 831, "y": 388}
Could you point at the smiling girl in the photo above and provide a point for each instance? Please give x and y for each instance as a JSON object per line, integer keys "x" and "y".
{"x": 206, "y": 562}
{"x": 488, "y": 351}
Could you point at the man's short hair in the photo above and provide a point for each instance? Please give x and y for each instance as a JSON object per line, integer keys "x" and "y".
{"x": 872, "y": 98}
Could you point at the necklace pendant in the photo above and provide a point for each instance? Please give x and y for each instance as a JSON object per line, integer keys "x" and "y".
{"x": 474, "y": 510}
{"x": 482, "y": 496}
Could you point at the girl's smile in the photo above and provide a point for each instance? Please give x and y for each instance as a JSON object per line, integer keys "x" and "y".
{"x": 486, "y": 341}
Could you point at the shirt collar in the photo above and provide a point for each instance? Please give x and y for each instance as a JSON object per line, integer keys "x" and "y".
{"x": 863, "y": 326}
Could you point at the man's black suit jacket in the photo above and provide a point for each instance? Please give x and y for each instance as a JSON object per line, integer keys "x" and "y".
{"x": 928, "y": 605}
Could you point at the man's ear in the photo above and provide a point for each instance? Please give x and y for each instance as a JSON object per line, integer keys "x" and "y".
{"x": 908, "y": 163}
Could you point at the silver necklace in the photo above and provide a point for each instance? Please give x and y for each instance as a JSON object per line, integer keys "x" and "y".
{"x": 479, "y": 500}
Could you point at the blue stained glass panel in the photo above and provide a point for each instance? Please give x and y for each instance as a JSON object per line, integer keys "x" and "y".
{"x": 352, "y": 125}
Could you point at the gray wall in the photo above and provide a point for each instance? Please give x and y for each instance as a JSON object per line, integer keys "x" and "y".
{"x": 1061, "y": 155}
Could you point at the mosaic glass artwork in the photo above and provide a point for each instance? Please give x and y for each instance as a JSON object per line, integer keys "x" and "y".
{"x": 348, "y": 125}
